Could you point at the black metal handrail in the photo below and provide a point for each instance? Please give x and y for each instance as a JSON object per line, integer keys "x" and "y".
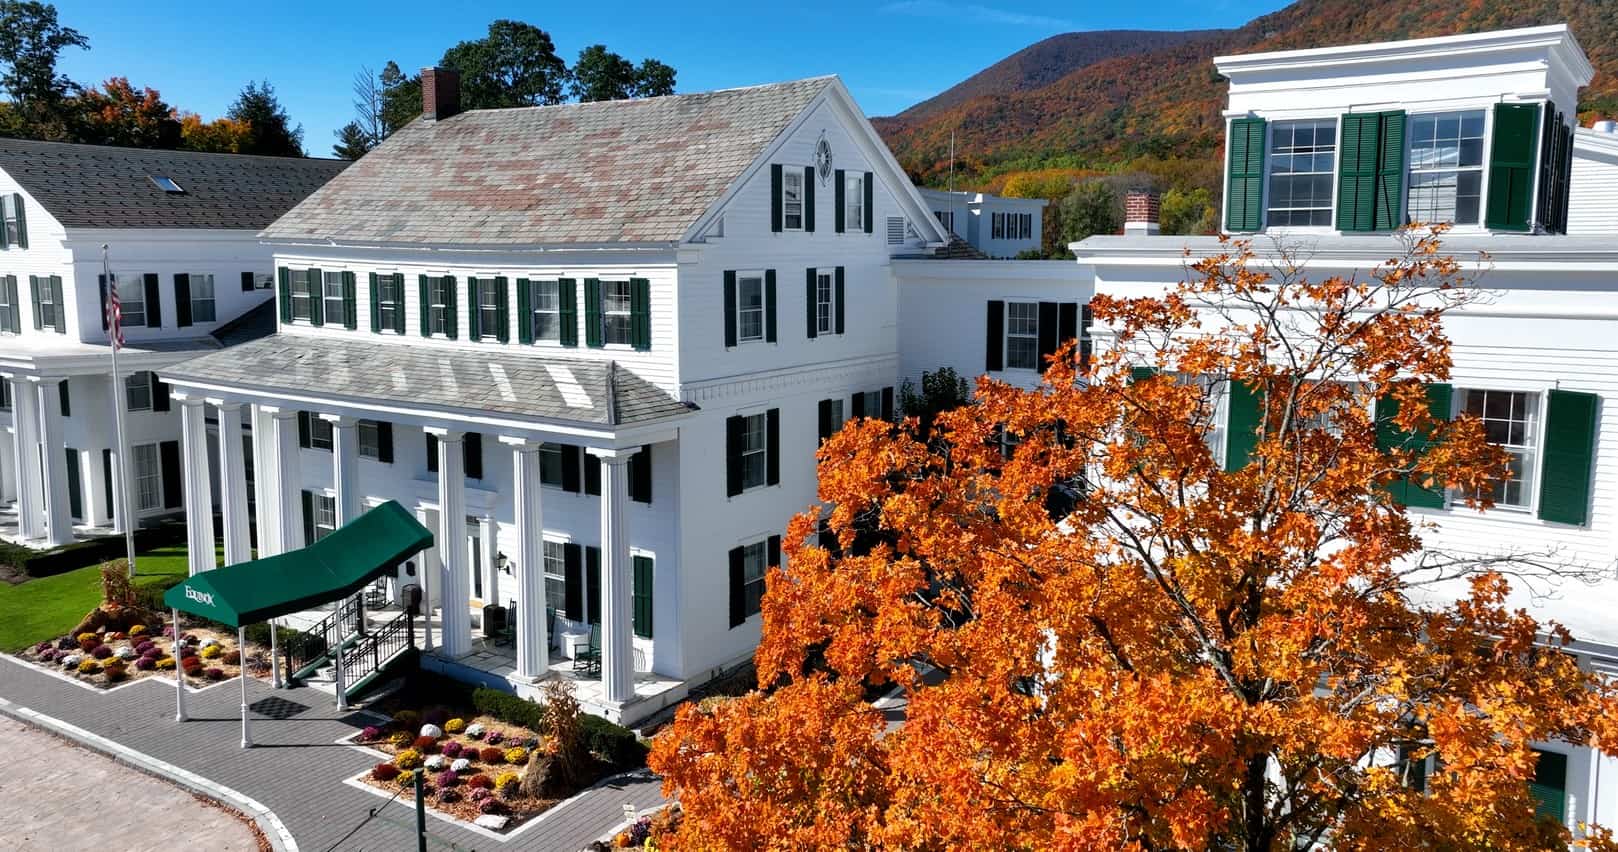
{"x": 310, "y": 647}
{"x": 373, "y": 650}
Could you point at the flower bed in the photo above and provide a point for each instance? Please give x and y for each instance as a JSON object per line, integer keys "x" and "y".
{"x": 477, "y": 765}
{"x": 108, "y": 657}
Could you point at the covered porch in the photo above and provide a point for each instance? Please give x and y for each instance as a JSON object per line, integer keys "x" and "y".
{"x": 506, "y": 570}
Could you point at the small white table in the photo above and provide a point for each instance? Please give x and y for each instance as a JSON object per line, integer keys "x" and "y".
{"x": 572, "y": 641}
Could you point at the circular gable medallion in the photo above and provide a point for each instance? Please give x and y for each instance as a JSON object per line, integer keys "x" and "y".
{"x": 823, "y": 158}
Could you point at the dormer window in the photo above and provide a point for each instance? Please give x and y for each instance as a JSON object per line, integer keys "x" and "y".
{"x": 167, "y": 184}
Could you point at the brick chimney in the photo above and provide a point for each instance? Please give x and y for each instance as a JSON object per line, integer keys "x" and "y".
{"x": 440, "y": 93}
{"x": 1140, "y": 212}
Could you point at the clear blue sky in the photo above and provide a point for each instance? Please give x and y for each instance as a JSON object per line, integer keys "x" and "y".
{"x": 890, "y": 53}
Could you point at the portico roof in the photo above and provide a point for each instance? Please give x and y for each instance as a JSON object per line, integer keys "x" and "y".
{"x": 494, "y": 380}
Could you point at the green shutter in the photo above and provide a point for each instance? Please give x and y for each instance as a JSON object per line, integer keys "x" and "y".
{"x": 567, "y": 292}
{"x": 61, "y": 306}
{"x": 809, "y": 199}
{"x": 426, "y": 298}
{"x": 450, "y": 297}
{"x": 642, "y": 596}
{"x": 502, "y": 311}
{"x": 284, "y": 292}
{"x": 1569, "y": 458}
{"x": 376, "y": 306}
{"x": 399, "y": 303}
{"x": 838, "y": 198}
{"x": 474, "y": 322}
{"x": 22, "y": 221}
{"x": 809, "y": 294}
{"x": 729, "y": 292}
{"x": 592, "y": 313}
{"x": 1511, "y": 167}
{"x": 1388, "y": 436}
{"x": 33, "y": 289}
{"x": 525, "y": 311}
{"x": 317, "y": 297}
{"x": 1549, "y": 787}
{"x": 1244, "y": 189}
{"x": 1390, "y": 172}
{"x": 769, "y": 305}
{"x": 640, "y": 313}
{"x": 1357, "y": 172}
{"x": 1141, "y": 374}
{"x": 351, "y": 319}
{"x": 1244, "y": 408}
{"x": 775, "y": 197}
{"x": 869, "y": 210}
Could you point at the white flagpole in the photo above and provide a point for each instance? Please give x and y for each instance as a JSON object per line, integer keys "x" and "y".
{"x": 124, "y": 506}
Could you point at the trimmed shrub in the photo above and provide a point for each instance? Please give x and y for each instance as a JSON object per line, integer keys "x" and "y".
{"x": 508, "y": 708}
{"x": 424, "y": 744}
{"x": 407, "y": 779}
{"x": 492, "y": 806}
{"x": 215, "y": 673}
{"x": 384, "y": 772}
{"x": 165, "y": 664}
{"x": 101, "y": 652}
{"x": 89, "y": 667}
{"x": 451, "y": 749}
{"x": 232, "y": 658}
{"x": 89, "y": 644}
{"x": 138, "y": 630}
{"x": 615, "y": 744}
{"x": 190, "y": 661}
{"x": 146, "y": 664}
{"x": 491, "y": 755}
{"x": 507, "y": 783}
{"x": 369, "y": 733}
{"x": 461, "y": 765}
{"x": 435, "y": 762}
{"x": 431, "y": 730}
{"x": 454, "y": 726}
{"x": 479, "y": 782}
{"x": 481, "y": 795}
{"x": 449, "y": 797}
{"x": 400, "y": 739}
{"x": 87, "y": 636}
{"x": 145, "y": 647}
{"x": 517, "y": 756}
{"x": 68, "y": 557}
{"x": 209, "y": 652}
{"x": 447, "y": 778}
{"x": 116, "y": 673}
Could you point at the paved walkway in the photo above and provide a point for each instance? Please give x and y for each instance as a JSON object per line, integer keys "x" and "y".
{"x": 297, "y": 768}
{"x": 54, "y": 799}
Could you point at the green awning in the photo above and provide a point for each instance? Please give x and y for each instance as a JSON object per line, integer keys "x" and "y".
{"x": 332, "y": 568}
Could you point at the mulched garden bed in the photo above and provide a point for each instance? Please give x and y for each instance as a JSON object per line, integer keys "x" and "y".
{"x": 108, "y": 656}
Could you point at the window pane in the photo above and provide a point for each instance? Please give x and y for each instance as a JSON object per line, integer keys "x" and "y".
{"x": 1301, "y": 167}
{"x": 1446, "y": 174}
{"x": 1510, "y": 420}
{"x": 750, "y": 308}
{"x": 148, "y": 477}
{"x": 550, "y": 464}
{"x": 1022, "y": 335}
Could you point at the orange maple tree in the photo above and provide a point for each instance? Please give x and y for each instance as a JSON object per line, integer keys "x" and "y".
{"x": 1107, "y": 636}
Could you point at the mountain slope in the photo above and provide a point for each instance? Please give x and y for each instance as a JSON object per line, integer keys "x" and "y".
{"x": 1165, "y": 101}
{"x": 1045, "y": 62}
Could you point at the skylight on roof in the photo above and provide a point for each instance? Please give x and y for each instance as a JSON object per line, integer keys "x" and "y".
{"x": 167, "y": 184}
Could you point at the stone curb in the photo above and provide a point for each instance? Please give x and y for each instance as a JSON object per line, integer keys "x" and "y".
{"x": 280, "y": 838}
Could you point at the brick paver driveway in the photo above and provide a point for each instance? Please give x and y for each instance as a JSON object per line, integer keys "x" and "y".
{"x": 296, "y": 770}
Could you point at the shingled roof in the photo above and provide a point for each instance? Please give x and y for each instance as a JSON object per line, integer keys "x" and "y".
{"x": 632, "y": 171}
{"x": 99, "y": 186}
{"x": 494, "y": 380}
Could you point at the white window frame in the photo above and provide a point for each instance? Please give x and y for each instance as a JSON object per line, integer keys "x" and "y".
{"x": 13, "y": 225}
{"x": 140, "y": 381}
{"x": 1481, "y": 169}
{"x": 203, "y": 306}
{"x": 367, "y": 438}
{"x": 621, "y": 296}
{"x": 755, "y": 458}
{"x": 439, "y": 304}
{"x": 755, "y": 560}
{"x": 1533, "y": 453}
{"x": 47, "y": 308}
{"x": 1331, "y": 174}
{"x": 853, "y": 202}
{"x": 131, "y": 300}
{"x": 488, "y": 310}
{"x": 263, "y": 281}
{"x": 7, "y": 310}
{"x": 555, "y": 553}
{"x": 339, "y": 316}
{"x": 296, "y": 279}
{"x": 825, "y": 302}
{"x": 320, "y": 434}
{"x": 1009, "y": 335}
{"x": 541, "y": 293}
{"x": 742, "y": 312}
{"x": 872, "y": 402}
{"x": 792, "y": 178}
{"x": 997, "y": 226}
{"x": 324, "y": 505}
{"x": 146, "y": 474}
{"x": 837, "y": 414}
{"x": 389, "y": 301}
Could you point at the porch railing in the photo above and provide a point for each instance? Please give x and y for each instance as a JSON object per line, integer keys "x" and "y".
{"x": 307, "y": 651}
{"x": 376, "y": 649}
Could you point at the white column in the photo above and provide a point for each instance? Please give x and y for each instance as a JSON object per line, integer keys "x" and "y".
{"x": 424, "y": 570}
{"x": 233, "y": 483}
{"x": 617, "y": 642}
{"x": 288, "y": 479}
{"x": 58, "y": 510}
{"x": 198, "y": 495}
{"x": 533, "y": 631}
{"x": 8, "y": 463}
{"x": 345, "y": 466}
{"x": 30, "y": 494}
{"x": 265, "y": 492}
{"x": 457, "y": 591}
{"x": 490, "y": 552}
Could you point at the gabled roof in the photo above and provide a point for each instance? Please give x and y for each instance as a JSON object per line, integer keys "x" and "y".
{"x": 632, "y": 171}
{"x": 499, "y": 381}
{"x": 99, "y": 186}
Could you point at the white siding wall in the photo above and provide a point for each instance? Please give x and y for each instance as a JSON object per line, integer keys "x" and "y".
{"x": 132, "y": 254}
{"x": 46, "y": 255}
{"x": 1005, "y": 247}
{"x": 1593, "y": 200}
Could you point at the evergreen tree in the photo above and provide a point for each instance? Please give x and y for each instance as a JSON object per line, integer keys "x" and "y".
{"x": 401, "y": 98}
{"x": 352, "y": 142}
{"x": 271, "y": 131}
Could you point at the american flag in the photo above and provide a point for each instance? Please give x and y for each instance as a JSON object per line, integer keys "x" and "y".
{"x": 115, "y": 314}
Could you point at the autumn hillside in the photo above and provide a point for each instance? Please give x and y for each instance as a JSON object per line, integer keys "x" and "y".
{"x": 1161, "y": 99}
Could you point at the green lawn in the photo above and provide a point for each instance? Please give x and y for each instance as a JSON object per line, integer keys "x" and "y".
{"x": 50, "y": 606}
